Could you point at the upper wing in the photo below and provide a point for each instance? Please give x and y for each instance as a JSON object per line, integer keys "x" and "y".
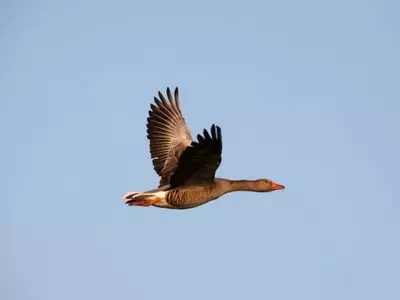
{"x": 168, "y": 134}
{"x": 199, "y": 162}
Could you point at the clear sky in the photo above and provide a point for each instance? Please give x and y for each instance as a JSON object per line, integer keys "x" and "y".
{"x": 307, "y": 94}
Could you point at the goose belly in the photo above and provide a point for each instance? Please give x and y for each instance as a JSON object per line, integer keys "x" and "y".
{"x": 185, "y": 199}
{"x": 188, "y": 197}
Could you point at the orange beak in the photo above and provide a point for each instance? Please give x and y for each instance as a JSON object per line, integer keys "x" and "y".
{"x": 276, "y": 186}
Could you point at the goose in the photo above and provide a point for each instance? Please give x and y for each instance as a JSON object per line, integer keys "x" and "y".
{"x": 186, "y": 167}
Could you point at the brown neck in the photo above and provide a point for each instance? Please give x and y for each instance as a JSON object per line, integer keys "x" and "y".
{"x": 241, "y": 185}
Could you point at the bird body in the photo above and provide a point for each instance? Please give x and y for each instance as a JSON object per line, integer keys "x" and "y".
{"x": 186, "y": 167}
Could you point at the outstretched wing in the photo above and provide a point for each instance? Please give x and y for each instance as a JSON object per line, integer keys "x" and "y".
{"x": 199, "y": 162}
{"x": 168, "y": 134}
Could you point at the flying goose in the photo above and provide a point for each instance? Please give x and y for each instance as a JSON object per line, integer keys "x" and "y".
{"x": 186, "y": 167}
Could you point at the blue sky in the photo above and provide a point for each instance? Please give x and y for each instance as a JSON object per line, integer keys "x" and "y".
{"x": 307, "y": 94}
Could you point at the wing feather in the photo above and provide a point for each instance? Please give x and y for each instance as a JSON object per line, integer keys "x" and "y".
{"x": 199, "y": 162}
{"x": 168, "y": 134}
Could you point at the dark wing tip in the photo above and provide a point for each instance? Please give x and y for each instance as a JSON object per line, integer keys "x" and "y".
{"x": 200, "y": 138}
{"x": 213, "y": 132}
{"x": 162, "y": 98}
{"x": 152, "y": 106}
{"x": 157, "y": 101}
{"x": 206, "y": 134}
{"x": 169, "y": 95}
{"x": 215, "y": 137}
{"x": 219, "y": 134}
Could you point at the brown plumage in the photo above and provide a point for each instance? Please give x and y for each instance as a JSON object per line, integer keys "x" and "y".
{"x": 186, "y": 167}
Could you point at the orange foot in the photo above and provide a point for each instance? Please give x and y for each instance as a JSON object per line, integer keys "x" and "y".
{"x": 142, "y": 200}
